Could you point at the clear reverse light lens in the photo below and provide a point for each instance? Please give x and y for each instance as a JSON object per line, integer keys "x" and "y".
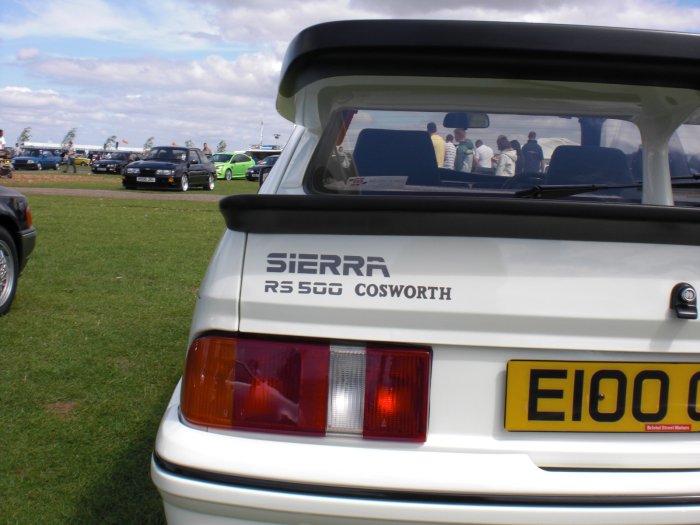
{"x": 346, "y": 390}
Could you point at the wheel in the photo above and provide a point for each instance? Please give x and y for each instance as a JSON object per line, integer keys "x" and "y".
{"x": 55, "y": 167}
{"x": 184, "y": 183}
{"x": 38, "y": 167}
{"x": 210, "y": 185}
{"x": 9, "y": 270}
{"x": 229, "y": 175}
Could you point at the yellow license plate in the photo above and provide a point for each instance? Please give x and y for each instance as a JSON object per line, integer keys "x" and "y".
{"x": 570, "y": 396}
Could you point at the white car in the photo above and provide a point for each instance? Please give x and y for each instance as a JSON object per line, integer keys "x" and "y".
{"x": 380, "y": 340}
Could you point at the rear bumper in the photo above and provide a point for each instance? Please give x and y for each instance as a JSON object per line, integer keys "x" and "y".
{"x": 189, "y": 501}
{"x": 28, "y": 240}
{"x": 161, "y": 182}
{"x": 211, "y": 478}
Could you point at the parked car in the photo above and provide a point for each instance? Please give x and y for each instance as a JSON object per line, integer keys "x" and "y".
{"x": 262, "y": 168}
{"x": 17, "y": 239}
{"x": 36, "y": 159}
{"x": 170, "y": 167}
{"x": 231, "y": 165}
{"x": 113, "y": 162}
{"x": 381, "y": 340}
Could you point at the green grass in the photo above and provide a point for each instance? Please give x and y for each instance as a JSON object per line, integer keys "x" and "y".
{"x": 90, "y": 353}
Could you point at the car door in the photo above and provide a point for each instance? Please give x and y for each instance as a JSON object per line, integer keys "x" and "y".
{"x": 47, "y": 161}
{"x": 196, "y": 169}
{"x": 242, "y": 162}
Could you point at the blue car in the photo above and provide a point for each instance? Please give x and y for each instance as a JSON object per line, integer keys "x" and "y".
{"x": 36, "y": 159}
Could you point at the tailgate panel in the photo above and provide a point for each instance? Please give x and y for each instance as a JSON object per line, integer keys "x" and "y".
{"x": 515, "y": 293}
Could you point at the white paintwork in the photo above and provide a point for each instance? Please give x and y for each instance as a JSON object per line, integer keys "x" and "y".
{"x": 508, "y": 299}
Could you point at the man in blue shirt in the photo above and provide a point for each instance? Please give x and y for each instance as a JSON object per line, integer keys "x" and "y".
{"x": 533, "y": 157}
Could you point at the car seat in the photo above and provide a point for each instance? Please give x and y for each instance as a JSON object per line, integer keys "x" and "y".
{"x": 588, "y": 165}
{"x": 407, "y": 153}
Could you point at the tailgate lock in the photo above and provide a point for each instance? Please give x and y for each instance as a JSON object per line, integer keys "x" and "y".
{"x": 684, "y": 301}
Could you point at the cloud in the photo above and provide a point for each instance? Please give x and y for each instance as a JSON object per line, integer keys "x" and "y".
{"x": 207, "y": 70}
{"x": 167, "y": 25}
{"x": 27, "y": 53}
{"x": 254, "y": 74}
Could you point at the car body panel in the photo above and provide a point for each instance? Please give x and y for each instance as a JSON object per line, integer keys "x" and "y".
{"x": 165, "y": 171}
{"x": 335, "y": 251}
{"x": 14, "y": 216}
{"x": 36, "y": 160}
{"x": 112, "y": 163}
{"x": 263, "y": 167}
{"x": 15, "y": 222}
{"x": 236, "y": 162}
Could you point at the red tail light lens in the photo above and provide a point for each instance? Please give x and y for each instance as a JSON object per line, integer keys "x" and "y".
{"x": 306, "y": 387}
{"x": 396, "y": 396}
{"x": 256, "y": 384}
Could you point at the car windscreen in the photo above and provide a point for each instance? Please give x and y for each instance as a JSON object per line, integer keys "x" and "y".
{"x": 510, "y": 155}
{"x": 168, "y": 154}
{"x": 221, "y": 157}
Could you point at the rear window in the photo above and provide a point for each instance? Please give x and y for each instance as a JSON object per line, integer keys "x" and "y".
{"x": 494, "y": 155}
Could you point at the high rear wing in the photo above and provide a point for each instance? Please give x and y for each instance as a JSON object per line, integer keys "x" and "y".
{"x": 433, "y": 48}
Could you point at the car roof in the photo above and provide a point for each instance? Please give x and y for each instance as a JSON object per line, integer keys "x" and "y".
{"x": 443, "y": 48}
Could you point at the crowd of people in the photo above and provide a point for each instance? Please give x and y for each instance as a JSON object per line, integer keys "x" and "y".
{"x": 457, "y": 152}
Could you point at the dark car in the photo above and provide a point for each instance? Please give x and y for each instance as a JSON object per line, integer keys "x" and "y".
{"x": 261, "y": 169}
{"x": 36, "y": 159}
{"x": 171, "y": 167}
{"x": 113, "y": 162}
{"x": 17, "y": 237}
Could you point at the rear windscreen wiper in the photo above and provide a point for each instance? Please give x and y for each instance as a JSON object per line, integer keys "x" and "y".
{"x": 566, "y": 190}
{"x": 691, "y": 181}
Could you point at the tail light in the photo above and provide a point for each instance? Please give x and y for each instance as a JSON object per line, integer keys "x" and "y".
{"x": 307, "y": 387}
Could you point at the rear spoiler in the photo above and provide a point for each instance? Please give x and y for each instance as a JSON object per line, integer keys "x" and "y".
{"x": 440, "y": 48}
{"x": 459, "y": 216}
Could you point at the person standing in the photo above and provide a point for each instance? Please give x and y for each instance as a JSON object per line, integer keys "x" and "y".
{"x": 519, "y": 166}
{"x": 206, "y": 150}
{"x": 533, "y": 157}
{"x": 450, "y": 152}
{"x": 483, "y": 156}
{"x": 464, "y": 159}
{"x": 438, "y": 144}
{"x": 70, "y": 158}
{"x": 2, "y": 140}
{"x": 505, "y": 166}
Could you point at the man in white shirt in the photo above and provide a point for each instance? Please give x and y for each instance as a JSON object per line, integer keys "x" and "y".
{"x": 2, "y": 140}
{"x": 450, "y": 153}
{"x": 483, "y": 156}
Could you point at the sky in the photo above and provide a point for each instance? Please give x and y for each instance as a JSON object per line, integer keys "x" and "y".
{"x": 207, "y": 70}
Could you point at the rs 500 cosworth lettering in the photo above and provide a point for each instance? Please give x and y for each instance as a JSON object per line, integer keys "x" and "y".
{"x": 368, "y": 268}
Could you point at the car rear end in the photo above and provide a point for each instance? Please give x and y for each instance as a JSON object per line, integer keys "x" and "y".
{"x": 380, "y": 341}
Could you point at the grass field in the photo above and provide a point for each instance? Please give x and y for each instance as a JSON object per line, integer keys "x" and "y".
{"x": 90, "y": 352}
{"x": 84, "y": 179}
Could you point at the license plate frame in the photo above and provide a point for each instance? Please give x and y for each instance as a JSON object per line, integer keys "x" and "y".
{"x": 146, "y": 179}
{"x": 602, "y": 396}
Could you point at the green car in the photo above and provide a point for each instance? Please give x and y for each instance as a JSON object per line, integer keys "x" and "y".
{"x": 232, "y": 165}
